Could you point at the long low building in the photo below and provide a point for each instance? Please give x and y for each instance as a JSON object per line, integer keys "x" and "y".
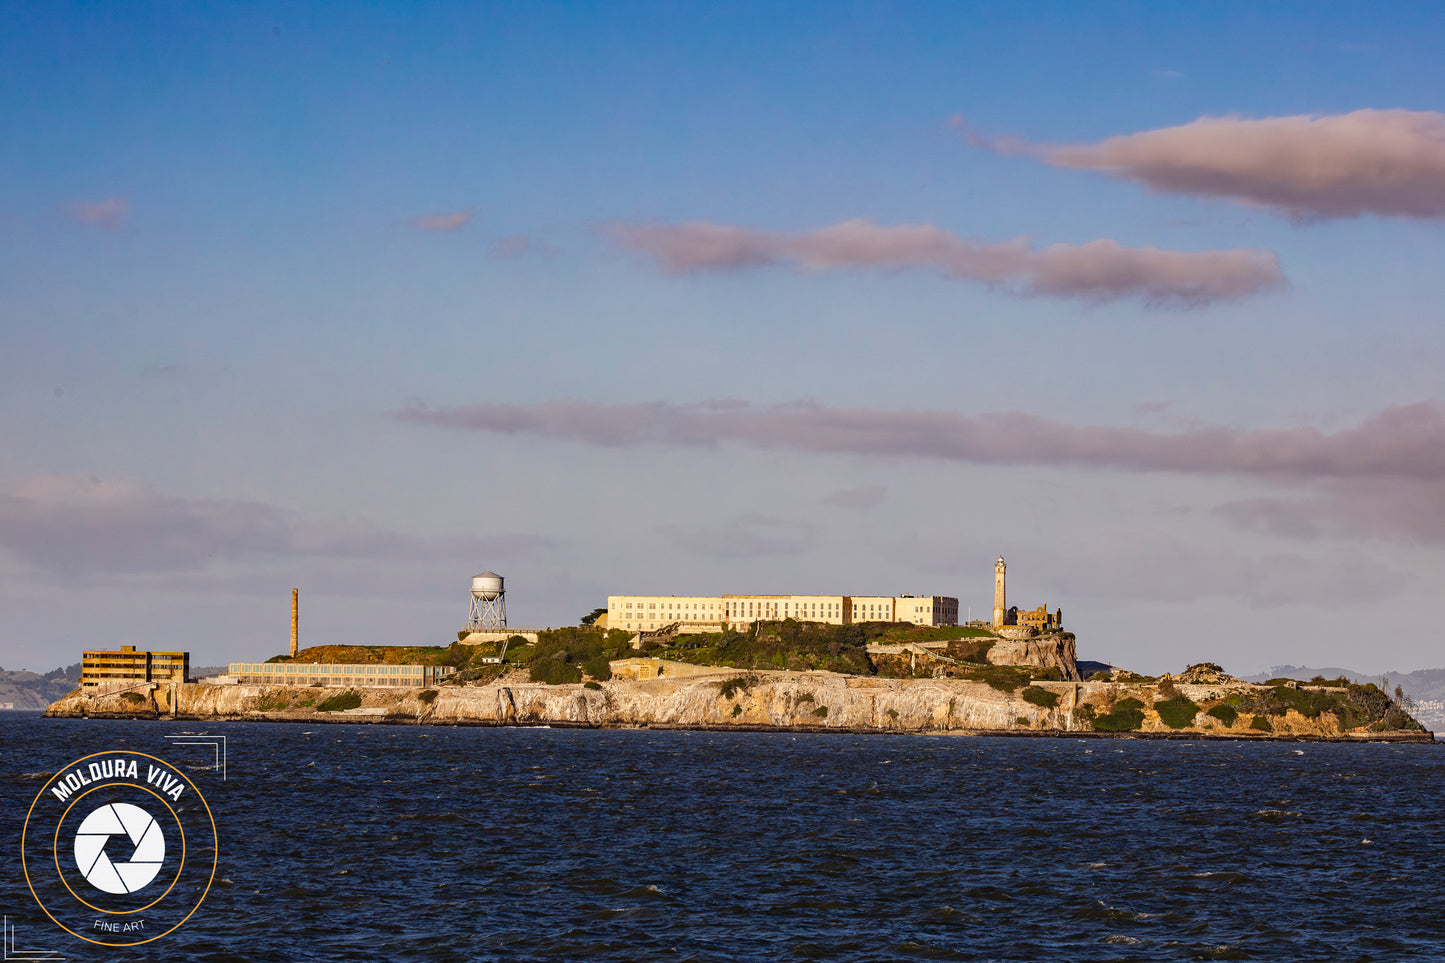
{"x": 337, "y": 674}
{"x": 643, "y": 612}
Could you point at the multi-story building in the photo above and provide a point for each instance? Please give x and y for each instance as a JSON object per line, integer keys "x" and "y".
{"x": 645, "y": 612}
{"x": 127, "y": 665}
{"x": 337, "y": 674}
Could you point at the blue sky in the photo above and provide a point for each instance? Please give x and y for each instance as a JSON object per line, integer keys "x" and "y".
{"x": 238, "y": 245}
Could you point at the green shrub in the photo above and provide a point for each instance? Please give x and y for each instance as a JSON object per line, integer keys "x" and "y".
{"x": 1167, "y": 689}
{"x": 972, "y": 651}
{"x": 1126, "y": 716}
{"x": 428, "y": 696}
{"x": 1224, "y": 713}
{"x": 806, "y": 697}
{"x": 821, "y": 712}
{"x": 1261, "y": 723}
{"x": 1041, "y": 697}
{"x": 789, "y": 644}
{"x": 561, "y": 656}
{"x": 555, "y": 671}
{"x": 343, "y": 700}
{"x": 892, "y": 715}
{"x": 1004, "y": 678}
{"x": 733, "y": 686}
{"x": 134, "y": 698}
{"x": 1176, "y": 713}
{"x": 737, "y": 710}
{"x": 1085, "y": 713}
{"x": 591, "y": 685}
{"x": 1021, "y": 721}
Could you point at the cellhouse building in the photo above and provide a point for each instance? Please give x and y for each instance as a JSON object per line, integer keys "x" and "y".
{"x": 643, "y": 612}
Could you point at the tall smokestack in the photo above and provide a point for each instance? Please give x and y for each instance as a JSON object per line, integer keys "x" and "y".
{"x": 295, "y": 618}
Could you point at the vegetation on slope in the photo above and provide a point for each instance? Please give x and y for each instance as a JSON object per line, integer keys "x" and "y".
{"x": 565, "y": 655}
{"x": 811, "y": 646}
{"x": 380, "y": 654}
{"x": 1354, "y": 707}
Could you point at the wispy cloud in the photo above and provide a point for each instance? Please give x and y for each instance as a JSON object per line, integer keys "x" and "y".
{"x": 109, "y": 214}
{"x": 444, "y": 222}
{"x": 1401, "y": 442}
{"x": 745, "y": 536}
{"x": 513, "y": 245}
{"x": 1307, "y": 167}
{"x": 1156, "y": 567}
{"x": 82, "y": 525}
{"x": 1100, "y": 270}
{"x": 1396, "y": 509}
{"x": 862, "y": 498}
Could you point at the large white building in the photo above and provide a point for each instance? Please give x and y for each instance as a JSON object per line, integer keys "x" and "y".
{"x": 644, "y": 612}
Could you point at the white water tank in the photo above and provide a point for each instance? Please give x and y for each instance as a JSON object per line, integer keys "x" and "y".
{"x": 487, "y": 586}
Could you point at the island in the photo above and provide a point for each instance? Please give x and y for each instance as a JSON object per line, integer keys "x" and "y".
{"x": 771, "y": 675}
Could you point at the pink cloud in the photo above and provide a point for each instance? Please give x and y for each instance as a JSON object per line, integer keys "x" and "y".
{"x": 1401, "y": 442}
{"x": 444, "y": 222}
{"x": 1385, "y": 162}
{"x": 110, "y": 213}
{"x": 1100, "y": 270}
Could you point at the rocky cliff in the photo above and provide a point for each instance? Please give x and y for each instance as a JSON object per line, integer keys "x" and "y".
{"x": 778, "y": 700}
{"x": 1049, "y": 651}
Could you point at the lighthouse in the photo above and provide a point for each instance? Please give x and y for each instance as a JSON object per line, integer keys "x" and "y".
{"x": 1000, "y": 598}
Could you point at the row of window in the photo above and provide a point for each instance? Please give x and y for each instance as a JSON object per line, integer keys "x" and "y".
{"x": 283, "y": 668}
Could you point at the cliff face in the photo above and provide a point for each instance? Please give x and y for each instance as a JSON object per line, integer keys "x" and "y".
{"x": 772, "y": 700}
{"x": 1048, "y": 651}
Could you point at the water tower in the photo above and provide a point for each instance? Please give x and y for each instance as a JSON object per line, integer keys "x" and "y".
{"x": 489, "y": 602}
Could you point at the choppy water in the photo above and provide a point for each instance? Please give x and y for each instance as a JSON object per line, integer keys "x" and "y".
{"x": 379, "y": 842}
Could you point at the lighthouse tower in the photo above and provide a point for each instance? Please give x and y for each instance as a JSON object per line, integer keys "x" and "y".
{"x": 1000, "y": 598}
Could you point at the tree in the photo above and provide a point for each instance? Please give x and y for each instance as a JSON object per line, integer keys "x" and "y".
{"x": 591, "y": 617}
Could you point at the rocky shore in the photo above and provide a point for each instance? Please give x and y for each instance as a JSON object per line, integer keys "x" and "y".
{"x": 771, "y": 701}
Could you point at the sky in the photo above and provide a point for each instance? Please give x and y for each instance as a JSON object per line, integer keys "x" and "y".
{"x": 696, "y": 298}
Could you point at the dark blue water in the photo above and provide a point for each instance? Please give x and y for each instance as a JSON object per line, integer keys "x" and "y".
{"x": 379, "y": 842}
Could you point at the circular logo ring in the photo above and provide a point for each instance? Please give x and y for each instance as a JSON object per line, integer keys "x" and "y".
{"x": 60, "y": 825}
{"x": 210, "y": 821}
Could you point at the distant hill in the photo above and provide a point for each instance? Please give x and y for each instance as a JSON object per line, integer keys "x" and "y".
{"x": 20, "y": 689}
{"x": 1425, "y": 686}
{"x": 33, "y": 690}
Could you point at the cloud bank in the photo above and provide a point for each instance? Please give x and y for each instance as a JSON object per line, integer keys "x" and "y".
{"x": 1383, "y": 478}
{"x": 1401, "y": 442}
{"x": 1100, "y": 270}
{"x": 1307, "y": 167}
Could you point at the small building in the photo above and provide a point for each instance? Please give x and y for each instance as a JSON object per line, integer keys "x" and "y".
{"x": 128, "y": 665}
{"x": 337, "y": 675}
